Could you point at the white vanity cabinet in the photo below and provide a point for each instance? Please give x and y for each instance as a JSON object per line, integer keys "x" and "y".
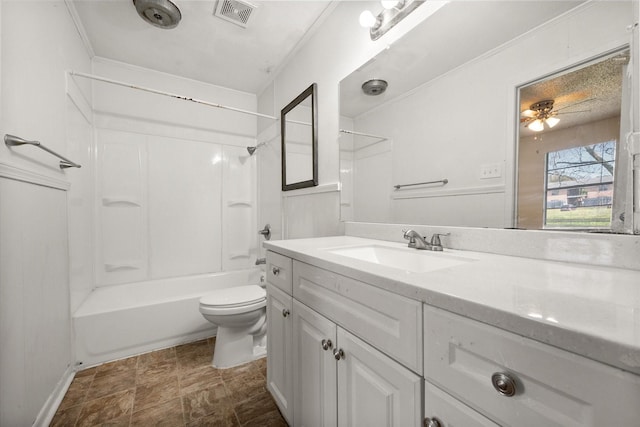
{"x": 348, "y": 361}
{"x": 515, "y": 381}
{"x": 403, "y": 362}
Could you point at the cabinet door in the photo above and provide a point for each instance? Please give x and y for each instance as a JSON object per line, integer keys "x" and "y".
{"x": 279, "y": 372}
{"x": 373, "y": 389}
{"x": 314, "y": 367}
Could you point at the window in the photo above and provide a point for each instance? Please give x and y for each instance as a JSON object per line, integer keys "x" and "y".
{"x": 579, "y": 186}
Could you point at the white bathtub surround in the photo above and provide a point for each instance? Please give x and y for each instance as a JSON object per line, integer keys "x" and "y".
{"x": 585, "y": 309}
{"x": 124, "y": 320}
{"x": 170, "y": 212}
{"x": 607, "y": 250}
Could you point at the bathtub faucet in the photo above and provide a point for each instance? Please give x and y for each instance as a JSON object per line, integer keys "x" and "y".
{"x": 261, "y": 261}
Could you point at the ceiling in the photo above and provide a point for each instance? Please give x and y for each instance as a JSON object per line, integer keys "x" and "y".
{"x": 204, "y": 47}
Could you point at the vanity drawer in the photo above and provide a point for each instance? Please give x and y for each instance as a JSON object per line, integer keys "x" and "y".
{"x": 450, "y": 412}
{"x": 552, "y": 387}
{"x": 390, "y": 322}
{"x": 279, "y": 271}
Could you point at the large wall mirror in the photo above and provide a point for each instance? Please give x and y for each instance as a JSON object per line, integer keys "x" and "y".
{"x": 447, "y": 142}
{"x": 300, "y": 141}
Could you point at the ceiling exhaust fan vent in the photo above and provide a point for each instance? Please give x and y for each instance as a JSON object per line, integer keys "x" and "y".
{"x": 235, "y": 11}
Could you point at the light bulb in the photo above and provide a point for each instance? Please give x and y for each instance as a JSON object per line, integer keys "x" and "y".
{"x": 389, "y": 4}
{"x": 367, "y": 19}
{"x": 536, "y": 125}
{"x": 552, "y": 121}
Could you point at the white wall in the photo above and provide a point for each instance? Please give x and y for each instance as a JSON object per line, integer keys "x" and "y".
{"x": 39, "y": 42}
{"x": 338, "y": 48}
{"x": 452, "y": 125}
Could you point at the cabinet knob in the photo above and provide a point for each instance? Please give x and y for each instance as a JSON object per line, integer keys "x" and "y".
{"x": 326, "y": 344}
{"x": 432, "y": 422}
{"x": 338, "y": 353}
{"x": 504, "y": 384}
{"x": 275, "y": 271}
{"x": 285, "y": 312}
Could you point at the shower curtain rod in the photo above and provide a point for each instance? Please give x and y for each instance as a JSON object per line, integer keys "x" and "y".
{"x": 173, "y": 95}
{"x": 352, "y": 132}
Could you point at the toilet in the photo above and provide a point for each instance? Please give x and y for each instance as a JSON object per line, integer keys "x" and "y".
{"x": 241, "y": 317}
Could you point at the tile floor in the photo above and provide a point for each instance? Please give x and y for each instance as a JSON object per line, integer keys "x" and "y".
{"x": 171, "y": 387}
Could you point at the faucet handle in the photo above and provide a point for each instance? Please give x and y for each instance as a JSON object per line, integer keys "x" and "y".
{"x": 435, "y": 239}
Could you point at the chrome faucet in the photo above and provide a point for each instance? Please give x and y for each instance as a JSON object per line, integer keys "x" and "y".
{"x": 418, "y": 242}
{"x": 415, "y": 240}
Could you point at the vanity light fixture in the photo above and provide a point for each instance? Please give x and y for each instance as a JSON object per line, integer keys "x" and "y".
{"x": 393, "y": 12}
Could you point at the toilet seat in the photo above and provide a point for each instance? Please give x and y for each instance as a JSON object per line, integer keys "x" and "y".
{"x": 239, "y": 299}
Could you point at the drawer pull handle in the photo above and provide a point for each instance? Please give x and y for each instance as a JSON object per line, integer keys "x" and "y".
{"x": 504, "y": 384}
{"x": 433, "y": 422}
{"x": 285, "y": 312}
{"x": 338, "y": 353}
{"x": 326, "y": 344}
{"x": 275, "y": 271}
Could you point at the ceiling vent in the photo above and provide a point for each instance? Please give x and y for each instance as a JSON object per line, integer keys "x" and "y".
{"x": 235, "y": 11}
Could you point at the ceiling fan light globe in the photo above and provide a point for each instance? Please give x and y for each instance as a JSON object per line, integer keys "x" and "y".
{"x": 552, "y": 121}
{"x": 536, "y": 125}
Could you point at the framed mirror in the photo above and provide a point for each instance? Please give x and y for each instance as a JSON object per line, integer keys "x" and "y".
{"x": 300, "y": 141}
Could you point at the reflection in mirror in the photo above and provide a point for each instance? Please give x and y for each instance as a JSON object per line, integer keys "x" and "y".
{"x": 454, "y": 114}
{"x": 300, "y": 141}
{"x": 569, "y": 140}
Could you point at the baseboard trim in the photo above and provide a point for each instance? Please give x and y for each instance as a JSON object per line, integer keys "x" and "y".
{"x": 50, "y": 407}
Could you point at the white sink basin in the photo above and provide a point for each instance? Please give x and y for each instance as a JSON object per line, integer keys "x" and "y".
{"x": 411, "y": 260}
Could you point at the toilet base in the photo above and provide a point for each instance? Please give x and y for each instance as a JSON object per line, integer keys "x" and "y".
{"x": 234, "y": 347}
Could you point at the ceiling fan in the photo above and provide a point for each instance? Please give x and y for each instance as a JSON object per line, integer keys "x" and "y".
{"x": 542, "y": 112}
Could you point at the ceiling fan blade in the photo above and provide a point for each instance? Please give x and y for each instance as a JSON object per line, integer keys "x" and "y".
{"x": 575, "y": 103}
{"x": 572, "y": 112}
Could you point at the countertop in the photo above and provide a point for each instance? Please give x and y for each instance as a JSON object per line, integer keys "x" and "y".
{"x": 592, "y": 311}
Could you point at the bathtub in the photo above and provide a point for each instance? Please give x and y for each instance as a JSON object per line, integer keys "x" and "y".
{"x": 124, "y": 320}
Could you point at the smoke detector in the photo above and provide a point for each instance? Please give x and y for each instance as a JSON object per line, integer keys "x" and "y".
{"x": 235, "y": 11}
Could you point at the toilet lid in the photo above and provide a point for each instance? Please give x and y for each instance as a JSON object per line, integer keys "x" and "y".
{"x": 235, "y": 296}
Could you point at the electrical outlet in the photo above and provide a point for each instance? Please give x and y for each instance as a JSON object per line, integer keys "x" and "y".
{"x": 490, "y": 170}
